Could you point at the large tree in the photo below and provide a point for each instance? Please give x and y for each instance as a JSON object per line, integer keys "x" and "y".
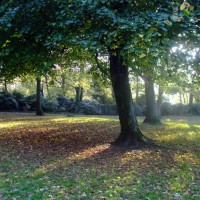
{"x": 119, "y": 29}
{"x": 122, "y": 29}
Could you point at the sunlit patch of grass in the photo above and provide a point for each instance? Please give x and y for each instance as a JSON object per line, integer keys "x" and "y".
{"x": 83, "y": 119}
{"x": 186, "y": 158}
{"x": 11, "y": 124}
{"x": 178, "y": 125}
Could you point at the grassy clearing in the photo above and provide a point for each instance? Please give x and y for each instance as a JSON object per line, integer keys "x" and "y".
{"x": 59, "y": 157}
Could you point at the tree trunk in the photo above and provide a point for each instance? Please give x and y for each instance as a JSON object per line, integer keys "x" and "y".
{"x": 38, "y": 101}
{"x": 159, "y": 101}
{"x": 191, "y": 102}
{"x": 180, "y": 97}
{"x": 130, "y": 133}
{"x": 47, "y": 87}
{"x": 151, "y": 109}
{"x": 81, "y": 94}
{"x": 137, "y": 90}
{"x": 63, "y": 83}
{"x": 77, "y": 98}
{"x": 5, "y": 86}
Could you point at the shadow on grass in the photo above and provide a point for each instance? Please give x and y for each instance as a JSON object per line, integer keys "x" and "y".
{"x": 75, "y": 161}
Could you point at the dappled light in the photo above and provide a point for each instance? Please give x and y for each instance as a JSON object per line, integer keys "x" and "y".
{"x": 70, "y": 157}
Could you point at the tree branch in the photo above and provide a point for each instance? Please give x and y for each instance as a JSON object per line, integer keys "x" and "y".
{"x": 99, "y": 65}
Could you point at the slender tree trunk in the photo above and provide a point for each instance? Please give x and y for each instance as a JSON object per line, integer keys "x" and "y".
{"x": 159, "y": 101}
{"x": 42, "y": 91}
{"x": 137, "y": 90}
{"x": 47, "y": 86}
{"x": 184, "y": 99}
{"x": 151, "y": 108}
{"x": 130, "y": 133}
{"x": 38, "y": 101}
{"x": 77, "y": 98}
{"x": 191, "y": 102}
{"x": 81, "y": 94}
{"x": 63, "y": 83}
{"x": 187, "y": 98}
{"x": 5, "y": 86}
{"x": 180, "y": 97}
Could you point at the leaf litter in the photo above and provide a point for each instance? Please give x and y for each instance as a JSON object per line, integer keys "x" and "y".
{"x": 58, "y": 157}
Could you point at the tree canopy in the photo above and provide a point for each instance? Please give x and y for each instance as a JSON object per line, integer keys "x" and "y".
{"x": 33, "y": 33}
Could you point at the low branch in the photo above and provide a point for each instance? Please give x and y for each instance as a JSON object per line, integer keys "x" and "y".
{"x": 99, "y": 65}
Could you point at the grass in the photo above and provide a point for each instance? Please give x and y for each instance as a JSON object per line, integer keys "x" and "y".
{"x": 59, "y": 157}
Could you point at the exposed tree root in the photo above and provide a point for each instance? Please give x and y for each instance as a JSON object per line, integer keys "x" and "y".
{"x": 130, "y": 141}
{"x": 40, "y": 114}
{"x": 155, "y": 121}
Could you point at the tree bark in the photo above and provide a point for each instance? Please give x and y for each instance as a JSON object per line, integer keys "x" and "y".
{"x": 137, "y": 90}
{"x": 191, "y": 97}
{"x": 81, "y": 94}
{"x": 159, "y": 100}
{"x": 47, "y": 87}
{"x": 180, "y": 97}
{"x": 151, "y": 108}
{"x": 63, "y": 83}
{"x": 5, "y": 86}
{"x": 77, "y": 98}
{"x": 130, "y": 133}
{"x": 38, "y": 100}
{"x": 184, "y": 98}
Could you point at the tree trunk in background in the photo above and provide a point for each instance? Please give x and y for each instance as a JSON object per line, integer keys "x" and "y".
{"x": 47, "y": 86}
{"x": 42, "y": 91}
{"x": 180, "y": 97}
{"x": 130, "y": 133}
{"x": 5, "y": 86}
{"x": 151, "y": 108}
{"x": 159, "y": 101}
{"x": 137, "y": 90}
{"x": 63, "y": 83}
{"x": 184, "y": 99}
{"x": 38, "y": 96}
{"x": 79, "y": 94}
{"x": 191, "y": 98}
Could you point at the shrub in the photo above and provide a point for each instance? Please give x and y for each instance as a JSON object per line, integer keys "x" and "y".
{"x": 139, "y": 110}
{"x": 20, "y": 98}
{"x": 180, "y": 109}
{"x": 166, "y": 109}
{"x": 108, "y": 109}
{"x": 31, "y": 102}
{"x": 66, "y": 104}
{"x": 88, "y": 108}
{"x": 195, "y": 109}
{"x": 8, "y": 102}
{"x": 50, "y": 106}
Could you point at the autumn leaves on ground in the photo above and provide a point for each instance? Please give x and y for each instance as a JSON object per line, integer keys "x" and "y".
{"x": 59, "y": 157}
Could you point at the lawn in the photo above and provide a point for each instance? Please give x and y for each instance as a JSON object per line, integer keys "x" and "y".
{"x": 60, "y": 157}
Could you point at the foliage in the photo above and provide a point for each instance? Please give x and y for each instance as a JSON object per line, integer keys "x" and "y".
{"x": 8, "y": 102}
{"x": 123, "y": 30}
{"x": 59, "y": 157}
{"x": 195, "y": 109}
{"x": 50, "y": 106}
{"x": 179, "y": 109}
{"x": 139, "y": 109}
{"x": 19, "y": 102}
{"x": 66, "y": 104}
{"x": 166, "y": 109}
{"x": 88, "y": 108}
